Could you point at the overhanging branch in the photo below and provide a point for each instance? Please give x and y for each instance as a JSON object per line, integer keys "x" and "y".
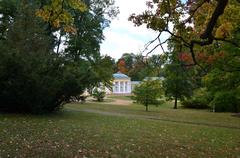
{"x": 219, "y": 10}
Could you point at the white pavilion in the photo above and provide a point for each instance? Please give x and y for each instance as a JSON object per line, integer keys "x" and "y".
{"x": 121, "y": 84}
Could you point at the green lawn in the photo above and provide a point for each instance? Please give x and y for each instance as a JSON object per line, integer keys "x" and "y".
{"x": 164, "y": 112}
{"x": 123, "y": 97}
{"x": 120, "y": 131}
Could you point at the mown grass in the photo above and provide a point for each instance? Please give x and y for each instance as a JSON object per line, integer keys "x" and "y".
{"x": 73, "y": 133}
{"x": 166, "y": 112}
{"x": 123, "y": 97}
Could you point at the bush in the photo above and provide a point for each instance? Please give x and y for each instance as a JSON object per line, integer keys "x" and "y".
{"x": 200, "y": 100}
{"x": 40, "y": 90}
{"x": 195, "y": 104}
{"x": 98, "y": 94}
{"x": 226, "y": 102}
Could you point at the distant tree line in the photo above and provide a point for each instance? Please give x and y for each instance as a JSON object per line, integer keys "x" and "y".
{"x": 138, "y": 66}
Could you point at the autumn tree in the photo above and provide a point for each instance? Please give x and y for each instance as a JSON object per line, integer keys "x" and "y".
{"x": 208, "y": 36}
{"x": 138, "y": 66}
{"x": 129, "y": 59}
{"x": 194, "y": 24}
{"x": 57, "y": 14}
{"x": 121, "y": 66}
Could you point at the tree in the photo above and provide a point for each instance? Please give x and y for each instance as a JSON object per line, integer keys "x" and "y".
{"x": 203, "y": 34}
{"x": 121, "y": 65}
{"x": 190, "y": 27}
{"x": 138, "y": 72}
{"x": 129, "y": 59}
{"x": 31, "y": 75}
{"x": 56, "y": 13}
{"x": 176, "y": 83}
{"x": 30, "y": 70}
{"x": 139, "y": 67}
{"x": 148, "y": 93}
{"x": 5, "y": 16}
{"x": 155, "y": 65}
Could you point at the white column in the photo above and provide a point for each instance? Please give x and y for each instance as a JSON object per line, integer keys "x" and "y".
{"x": 124, "y": 90}
{"x": 130, "y": 87}
{"x": 114, "y": 87}
{"x": 119, "y": 90}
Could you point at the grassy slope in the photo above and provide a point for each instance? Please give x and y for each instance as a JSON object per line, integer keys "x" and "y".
{"x": 123, "y": 97}
{"x": 74, "y": 133}
{"x": 166, "y": 112}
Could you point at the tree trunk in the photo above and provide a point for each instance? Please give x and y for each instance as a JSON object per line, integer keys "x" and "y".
{"x": 146, "y": 107}
{"x": 175, "y": 103}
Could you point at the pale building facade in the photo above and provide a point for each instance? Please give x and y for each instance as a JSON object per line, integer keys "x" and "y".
{"x": 121, "y": 84}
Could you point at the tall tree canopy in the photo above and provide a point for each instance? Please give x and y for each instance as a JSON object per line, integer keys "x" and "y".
{"x": 34, "y": 76}
{"x": 138, "y": 66}
{"x": 204, "y": 38}
{"x": 193, "y": 23}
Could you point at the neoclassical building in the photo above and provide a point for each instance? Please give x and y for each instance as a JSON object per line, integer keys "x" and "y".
{"x": 121, "y": 84}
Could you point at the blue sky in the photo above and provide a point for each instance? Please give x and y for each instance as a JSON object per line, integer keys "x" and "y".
{"x": 122, "y": 36}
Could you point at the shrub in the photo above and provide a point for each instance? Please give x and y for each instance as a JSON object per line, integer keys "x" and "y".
{"x": 195, "y": 104}
{"x": 200, "y": 100}
{"x": 226, "y": 102}
{"x": 98, "y": 94}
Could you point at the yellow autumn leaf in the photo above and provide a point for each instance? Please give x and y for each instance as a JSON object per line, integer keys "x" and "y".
{"x": 55, "y": 14}
{"x": 224, "y": 30}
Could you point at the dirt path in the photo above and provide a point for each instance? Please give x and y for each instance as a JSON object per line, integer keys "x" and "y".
{"x": 115, "y": 101}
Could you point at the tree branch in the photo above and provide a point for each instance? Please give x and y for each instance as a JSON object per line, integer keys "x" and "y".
{"x": 194, "y": 11}
{"x": 219, "y": 10}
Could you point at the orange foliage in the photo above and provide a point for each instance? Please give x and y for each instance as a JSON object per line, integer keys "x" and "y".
{"x": 200, "y": 57}
{"x": 122, "y": 66}
{"x": 185, "y": 57}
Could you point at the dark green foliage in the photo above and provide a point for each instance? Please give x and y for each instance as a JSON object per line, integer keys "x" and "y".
{"x": 200, "y": 99}
{"x": 31, "y": 77}
{"x": 138, "y": 67}
{"x": 35, "y": 79}
{"x": 176, "y": 83}
{"x": 195, "y": 104}
{"x": 148, "y": 93}
{"x": 225, "y": 89}
{"x": 226, "y": 102}
{"x": 79, "y": 98}
{"x": 98, "y": 94}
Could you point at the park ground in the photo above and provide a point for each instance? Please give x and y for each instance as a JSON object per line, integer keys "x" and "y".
{"x": 119, "y": 128}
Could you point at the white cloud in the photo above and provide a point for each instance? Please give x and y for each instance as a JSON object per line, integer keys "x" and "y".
{"x": 123, "y": 36}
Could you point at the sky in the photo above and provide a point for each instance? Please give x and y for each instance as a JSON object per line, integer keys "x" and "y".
{"x": 122, "y": 36}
